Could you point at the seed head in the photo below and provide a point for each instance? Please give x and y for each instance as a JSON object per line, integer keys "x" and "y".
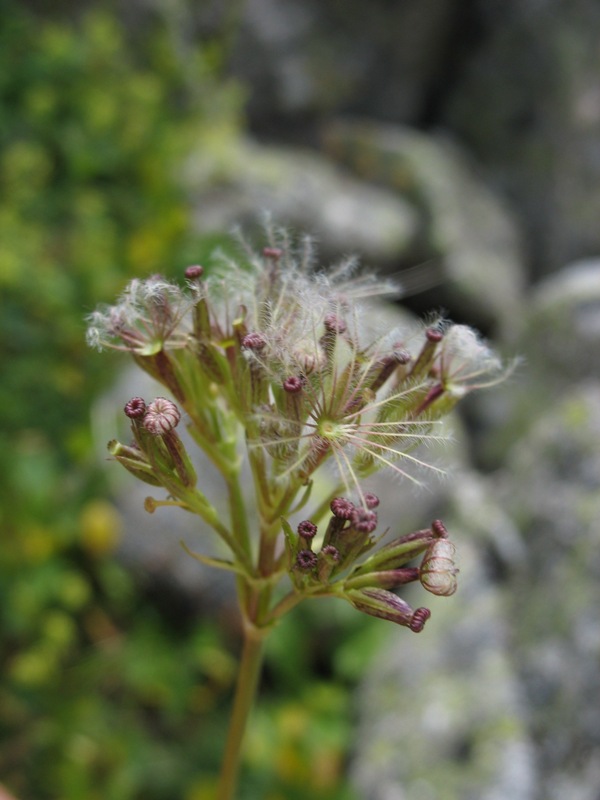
{"x": 149, "y": 317}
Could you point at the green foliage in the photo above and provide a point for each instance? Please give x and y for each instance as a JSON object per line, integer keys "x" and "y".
{"x": 104, "y": 693}
{"x": 92, "y": 142}
{"x": 95, "y": 127}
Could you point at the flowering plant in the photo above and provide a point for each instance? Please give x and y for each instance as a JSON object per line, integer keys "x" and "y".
{"x": 273, "y": 368}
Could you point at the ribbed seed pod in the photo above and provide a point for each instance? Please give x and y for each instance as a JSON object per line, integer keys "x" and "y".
{"x": 437, "y": 571}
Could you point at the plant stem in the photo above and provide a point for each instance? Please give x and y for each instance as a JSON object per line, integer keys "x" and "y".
{"x": 249, "y": 670}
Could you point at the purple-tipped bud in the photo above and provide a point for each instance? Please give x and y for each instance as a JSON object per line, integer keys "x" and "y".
{"x": 273, "y": 253}
{"x": 334, "y": 324}
{"x": 331, "y": 553}
{"x": 293, "y": 384}
{"x": 371, "y": 500}
{"x": 386, "y": 605}
{"x": 419, "y": 618}
{"x": 194, "y": 272}
{"x": 254, "y": 341}
{"x": 306, "y": 560}
{"x": 437, "y": 572}
{"x": 434, "y": 335}
{"x": 328, "y": 560}
{"x": 135, "y": 408}
{"x": 439, "y": 529}
{"x": 307, "y": 529}
{"x": 342, "y": 508}
{"x": 363, "y": 520}
{"x": 162, "y": 416}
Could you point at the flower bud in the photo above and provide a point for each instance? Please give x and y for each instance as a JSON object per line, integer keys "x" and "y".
{"x": 254, "y": 341}
{"x": 437, "y": 571}
{"x": 306, "y": 560}
{"x": 342, "y": 511}
{"x": 272, "y": 253}
{"x": 194, "y": 272}
{"x": 342, "y": 508}
{"x": 307, "y": 531}
{"x": 162, "y": 416}
{"x": 386, "y": 605}
{"x": 328, "y": 559}
{"x": 293, "y": 384}
{"x": 363, "y": 520}
{"x": 135, "y": 408}
{"x": 371, "y": 500}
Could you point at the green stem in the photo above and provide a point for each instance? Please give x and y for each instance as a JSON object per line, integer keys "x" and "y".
{"x": 249, "y": 671}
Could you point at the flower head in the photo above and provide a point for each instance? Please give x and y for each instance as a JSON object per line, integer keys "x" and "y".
{"x": 465, "y": 362}
{"x": 150, "y": 316}
{"x": 292, "y": 368}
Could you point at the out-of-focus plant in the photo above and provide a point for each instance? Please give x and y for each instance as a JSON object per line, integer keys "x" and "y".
{"x": 281, "y": 371}
{"x": 93, "y": 136}
{"x": 95, "y": 125}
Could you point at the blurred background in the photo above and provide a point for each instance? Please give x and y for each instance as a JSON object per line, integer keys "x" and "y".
{"x": 453, "y": 143}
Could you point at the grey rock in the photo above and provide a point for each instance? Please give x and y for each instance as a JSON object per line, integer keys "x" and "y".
{"x": 303, "y": 57}
{"x": 552, "y": 488}
{"x": 307, "y": 192}
{"x": 464, "y": 226}
{"x": 561, "y": 339}
{"x": 527, "y": 102}
{"x": 559, "y": 347}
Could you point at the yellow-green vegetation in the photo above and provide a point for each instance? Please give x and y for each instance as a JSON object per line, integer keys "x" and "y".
{"x": 109, "y": 689}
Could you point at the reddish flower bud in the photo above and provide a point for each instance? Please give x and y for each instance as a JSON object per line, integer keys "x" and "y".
{"x": 328, "y": 560}
{"x": 293, "y": 384}
{"x": 194, "y": 272}
{"x": 162, "y": 416}
{"x": 371, "y": 500}
{"x": 419, "y": 618}
{"x": 434, "y": 335}
{"x": 386, "y": 605}
{"x": 363, "y": 520}
{"x": 254, "y": 341}
{"x": 342, "y": 508}
{"x": 334, "y": 324}
{"x": 307, "y": 529}
{"x": 439, "y": 529}
{"x": 306, "y": 560}
{"x": 273, "y": 253}
{"x": 135, "y": 408}
{"x": 331, "y": 552}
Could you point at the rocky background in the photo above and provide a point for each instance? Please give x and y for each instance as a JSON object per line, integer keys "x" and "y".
{"x": 456, "y": 142}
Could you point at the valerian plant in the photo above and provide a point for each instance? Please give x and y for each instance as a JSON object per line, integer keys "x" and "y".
{"x": 276, "y": 370}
